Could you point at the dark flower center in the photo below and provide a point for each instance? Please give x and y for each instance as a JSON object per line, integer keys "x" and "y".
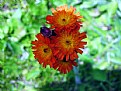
{"x": 68, "y": 42}
{"x": 63, "y": 19}
{"x": 46, "y": 50}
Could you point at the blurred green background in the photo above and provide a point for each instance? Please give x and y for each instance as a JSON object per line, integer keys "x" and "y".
{"x": 99, "y": 66}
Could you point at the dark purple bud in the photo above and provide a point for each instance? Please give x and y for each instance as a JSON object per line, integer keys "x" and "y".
{"x": 46, "y": 31}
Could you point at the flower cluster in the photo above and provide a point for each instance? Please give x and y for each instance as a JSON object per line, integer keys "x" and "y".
{"x": 58, "y": 45}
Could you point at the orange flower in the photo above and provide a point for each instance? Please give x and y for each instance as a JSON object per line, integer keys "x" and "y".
{"x": 64, "y": 18}
{"x": 64, "y": 66}
{"x": 68, "y": 44}
{"x": 42, "y": 50}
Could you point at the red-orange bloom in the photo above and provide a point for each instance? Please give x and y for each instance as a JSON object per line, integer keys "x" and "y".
{"x": 68, "y": 44}
{"x": 64, "y": 66}
{"x": 64, "y": 18}
{"x": 42, "y": 50}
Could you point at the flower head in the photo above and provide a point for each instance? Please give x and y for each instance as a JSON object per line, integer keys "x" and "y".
{"x": 68, "y": 44}
{"x": 42, "y": 50}
{"x": 64, "y": 66}
{"x": 64, "y": 18}
{"x": 58, "y": 45}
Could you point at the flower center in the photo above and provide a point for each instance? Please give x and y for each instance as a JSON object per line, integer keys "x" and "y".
{"x": 46, "y": 50}
{"x": 63, "y": 19}
{"x": 68, "y": 42}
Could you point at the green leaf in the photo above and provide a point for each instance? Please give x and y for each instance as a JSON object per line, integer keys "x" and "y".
{"x": 17, "y": 14}
{"x": 33, "y": 74}
{"x": 101, "y": 65}
{"x": 116, "y": 60}
{"x": 119, "y": 5}
{"x": 85, "y": 58}
{"x": 99, "y": 75}
{"x": 112, "y": 7}
{"x": 82, "y": 87}
{"x": 102, "y": 7}
{"x": 16, "y": 47}
{"x": 89, "y": 4}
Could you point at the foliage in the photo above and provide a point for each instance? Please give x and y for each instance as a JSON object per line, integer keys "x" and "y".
{"x": 99, "y": 65}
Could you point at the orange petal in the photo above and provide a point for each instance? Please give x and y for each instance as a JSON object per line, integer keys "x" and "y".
{"x": 49, "y": 19}
{"x": 55, "y": 65}
{"x": 82, "y": 43}
{"x": 72, "y": 56}
{"x": 67, "y": 56}
{"x": 82, "y": 35}
{"x": 34, "y": 42}
{"x": 79, "y": 51}
{"x": 56, "y": 52}
{"x": 53, "y": 60}
{"x": 53, "y": 10}
{"x": 61, "y": 58}
{"x": 47, "y": 40}
{"x": 40, "y": 37}
{"x": 74, "y": 63}
{"x": 75, "y": 55}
